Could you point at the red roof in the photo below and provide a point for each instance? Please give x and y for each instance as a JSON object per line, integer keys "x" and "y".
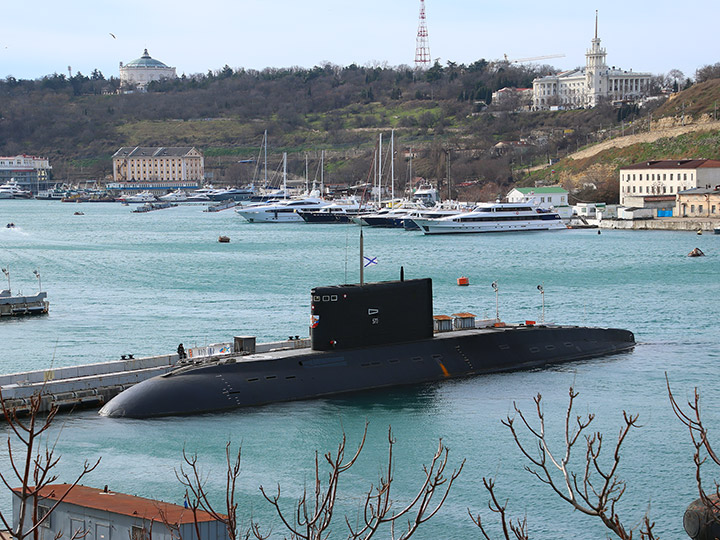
{"x": 120, "y": 503}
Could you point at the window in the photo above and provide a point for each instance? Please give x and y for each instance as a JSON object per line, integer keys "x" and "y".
{"x": 692, "y": 208}
{"x": 43, "y": 511}
{"x": 138, "y": 533}
{"x": 700, "y": 207}
{"x": 640, "y": 189}
{"x": 671, "y": 175}
{"x": 712, "y": 209}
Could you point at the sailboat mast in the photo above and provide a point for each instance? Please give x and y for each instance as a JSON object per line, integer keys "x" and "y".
{"x": 307, "y": 176}
{"x": 284, "y": 175}
{"x": 265, "y": 145}
{"x": 322, "y": 172}
{"x": 362, "y": 259}
{"x": 392, "y": 165}
{"x": 380, "y": 171}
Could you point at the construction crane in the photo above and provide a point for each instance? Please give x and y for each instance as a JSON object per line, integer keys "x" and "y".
{"x": 532, "y": 59}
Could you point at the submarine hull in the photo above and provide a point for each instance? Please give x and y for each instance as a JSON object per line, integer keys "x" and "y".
{"x": 257, "y": 379}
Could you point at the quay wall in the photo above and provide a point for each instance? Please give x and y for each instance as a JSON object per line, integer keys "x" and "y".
{"x": 661, "y": 224}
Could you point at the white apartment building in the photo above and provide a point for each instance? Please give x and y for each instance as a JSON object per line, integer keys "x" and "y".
{"x": 542, "y": 197}
{"x": 138, "y": 73}
{"x": 588, "y": 86}
{"x": 666, "y": 178}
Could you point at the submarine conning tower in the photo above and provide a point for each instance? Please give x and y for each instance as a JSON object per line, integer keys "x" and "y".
{"x": 350, "y": 316}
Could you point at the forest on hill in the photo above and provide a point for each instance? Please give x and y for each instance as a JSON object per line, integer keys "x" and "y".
{"x": 443, "y": 117}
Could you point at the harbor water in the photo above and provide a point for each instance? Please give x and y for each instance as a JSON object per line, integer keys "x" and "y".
{"x": 125, "y": 283}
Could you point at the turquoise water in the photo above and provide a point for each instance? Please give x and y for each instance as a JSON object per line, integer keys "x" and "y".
{"x": 123, "y": 283}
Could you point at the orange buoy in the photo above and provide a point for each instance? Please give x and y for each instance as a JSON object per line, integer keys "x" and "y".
{"x": 463, "y": 281}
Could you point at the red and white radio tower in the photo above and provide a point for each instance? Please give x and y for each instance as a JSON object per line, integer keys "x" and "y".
{"x": 422, "y": 47}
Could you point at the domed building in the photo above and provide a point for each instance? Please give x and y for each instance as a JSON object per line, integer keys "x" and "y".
{"x": 137, "y": 74}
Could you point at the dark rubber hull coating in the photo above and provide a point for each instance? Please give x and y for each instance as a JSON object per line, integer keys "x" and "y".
{"x": 303, "y": 374}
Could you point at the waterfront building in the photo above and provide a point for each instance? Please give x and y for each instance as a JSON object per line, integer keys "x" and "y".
{"x": 699, "y": 203}
{"x": 30, "y": 172}
{"x": 100, "y": 514}
{"x": 143, "y": 167}
{"x": 138, "y": 73}
{"x": 587, "y": 87}
{"x": 542, "y": 197}
{"x": 643, "y": 184}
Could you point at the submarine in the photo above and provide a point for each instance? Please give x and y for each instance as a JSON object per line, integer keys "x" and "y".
{"x": 362, "y": 336}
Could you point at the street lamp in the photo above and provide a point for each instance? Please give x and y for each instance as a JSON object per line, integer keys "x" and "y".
{"x": 497, "y": 306}
{"x": 37, "y": 275}
{"x": 542, "y": 294}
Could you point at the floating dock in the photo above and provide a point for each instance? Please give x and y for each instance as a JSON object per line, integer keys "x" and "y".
{"x": 18, "y": 306}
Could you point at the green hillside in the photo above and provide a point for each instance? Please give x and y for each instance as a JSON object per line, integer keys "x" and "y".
{"x": 439, "y": 117}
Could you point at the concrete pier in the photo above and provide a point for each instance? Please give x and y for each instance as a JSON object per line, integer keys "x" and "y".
{"x": 92, "y": 385}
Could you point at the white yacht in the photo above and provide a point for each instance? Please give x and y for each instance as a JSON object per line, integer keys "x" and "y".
{"x": 142, "y": 197}
{"x": 179, "y": 195}
{"x": 12, "y": 190}
{"x": 494, "y": 217}
{"x": 285, "y": 211}
{"x": 339, "y": 211}
{"x": 388, "y": 217}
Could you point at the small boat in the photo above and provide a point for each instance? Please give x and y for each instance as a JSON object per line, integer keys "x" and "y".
{"x": 225, "y": 205}
{"x": 150, "y": 206}
{"x": 224, "y": 239}
{"x": 697, "y": 252}
{"x": 716, "y": 230}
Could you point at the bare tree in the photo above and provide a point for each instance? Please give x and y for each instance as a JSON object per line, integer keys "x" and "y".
{"x": 518, "y": 528}
{"x": 196, "y": 495}
{"x": 33, "y": 468}
{"x": 595, "y": 491}
{"x": 705, "y": 516}
{"x": 314, "y": 511}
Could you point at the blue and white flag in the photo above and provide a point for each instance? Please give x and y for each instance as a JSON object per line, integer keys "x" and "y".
{"x": 369, "y": 261}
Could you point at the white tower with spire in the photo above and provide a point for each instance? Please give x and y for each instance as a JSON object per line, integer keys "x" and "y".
{"x": 595, "y": 69}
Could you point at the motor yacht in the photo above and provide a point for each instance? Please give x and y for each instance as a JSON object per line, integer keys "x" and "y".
{"x": 494, "y": 217}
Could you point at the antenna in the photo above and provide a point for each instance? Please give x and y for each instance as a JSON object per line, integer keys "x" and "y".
{"x": 7, "y": 275}
{"x": 422, "y": 46}
{"x": 37, "y": 275}
{"x": 542, "y": 294}
{"x": 497, "y": 305}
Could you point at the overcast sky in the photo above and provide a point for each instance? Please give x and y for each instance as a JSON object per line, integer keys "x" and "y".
{"x": 41, "y": 37}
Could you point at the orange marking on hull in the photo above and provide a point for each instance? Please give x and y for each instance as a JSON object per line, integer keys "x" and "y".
{"x": 444, "y": 369}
